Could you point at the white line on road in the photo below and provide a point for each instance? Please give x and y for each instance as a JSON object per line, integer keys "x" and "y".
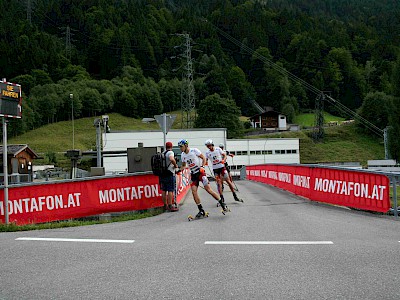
{"x": 268, "y": 243}
{"x": 75, "y": 240}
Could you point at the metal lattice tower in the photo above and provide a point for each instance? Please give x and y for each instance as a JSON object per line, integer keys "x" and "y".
{"x": 187, "y": 91}
{"x": 68, "y": 43}
{"x": 319, "y": 133}
{"x": 29, "y": 11}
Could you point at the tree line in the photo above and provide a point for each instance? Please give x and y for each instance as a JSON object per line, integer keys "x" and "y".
{"x": 129, "y": 56}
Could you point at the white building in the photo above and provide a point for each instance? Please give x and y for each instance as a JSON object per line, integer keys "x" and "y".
{"x": 262, "y": 151}
{"x": 245, "y": 151}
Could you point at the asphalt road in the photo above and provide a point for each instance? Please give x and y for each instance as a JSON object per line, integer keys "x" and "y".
{"x": 272, "y": 246}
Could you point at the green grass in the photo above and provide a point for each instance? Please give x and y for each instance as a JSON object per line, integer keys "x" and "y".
{"x": 57, "y": 137}
{"x": 83, "y": 222}
{"x": 340, "y": 144}
{"x": 308, "y": 120}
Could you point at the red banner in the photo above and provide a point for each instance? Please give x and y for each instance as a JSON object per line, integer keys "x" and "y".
{"x": 351, "y": 188}
{"x": 85, "y": 197}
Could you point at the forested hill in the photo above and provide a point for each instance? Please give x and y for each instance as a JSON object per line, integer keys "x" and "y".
{"x": 130, "y": 56}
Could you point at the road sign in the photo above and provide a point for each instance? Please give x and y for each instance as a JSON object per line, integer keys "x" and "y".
{"x": 169, "y": 120}
{"x": 10, "y": 100}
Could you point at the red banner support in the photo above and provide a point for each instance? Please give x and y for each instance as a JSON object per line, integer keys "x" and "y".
{"x": 351, "y": 188}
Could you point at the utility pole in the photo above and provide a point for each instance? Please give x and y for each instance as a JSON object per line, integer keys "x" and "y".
{"x": 71, "y": 96}
{"x": 187, "y": 91}
{"x": 5, "y": 171}
{"x": 386, "y": 142}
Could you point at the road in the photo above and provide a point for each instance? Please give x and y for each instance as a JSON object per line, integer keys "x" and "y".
{"x": 273, "y": 246}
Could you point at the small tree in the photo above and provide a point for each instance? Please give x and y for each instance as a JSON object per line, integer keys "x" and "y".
{"x": 217, "y": 112}
{"x": 376, "y": 108}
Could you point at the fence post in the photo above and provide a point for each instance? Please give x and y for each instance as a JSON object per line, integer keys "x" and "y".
{"x": 394, "y": 182}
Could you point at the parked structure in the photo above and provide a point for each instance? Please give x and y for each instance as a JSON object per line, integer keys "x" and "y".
{"x": 385, "y": 165}
{"x": 19, "y": 162}
{"x": 269, "y": 120}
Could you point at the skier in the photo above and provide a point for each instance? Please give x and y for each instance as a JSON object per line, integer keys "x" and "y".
{"x": 195, "y": 160}
{"x": 217, "y": 157}
{"x": 228, "y": 169}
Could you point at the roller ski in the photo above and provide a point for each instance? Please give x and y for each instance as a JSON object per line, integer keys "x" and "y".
{"x": 237, "y": 198}
{"x": 200, "y": 215}
{"x": 224, "y": 207}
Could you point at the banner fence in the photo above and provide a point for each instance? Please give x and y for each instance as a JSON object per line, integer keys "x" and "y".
{"x": 351, "y": 188}
{"x": 39, "y": 203}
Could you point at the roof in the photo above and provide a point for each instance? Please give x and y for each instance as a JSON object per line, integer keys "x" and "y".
{"x": 269, "y": 112}
{"x": 16, "y": 149}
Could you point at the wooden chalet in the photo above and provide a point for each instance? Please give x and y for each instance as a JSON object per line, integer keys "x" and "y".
{"x": 269, "y": 120}
{"x": 19, "y": 163}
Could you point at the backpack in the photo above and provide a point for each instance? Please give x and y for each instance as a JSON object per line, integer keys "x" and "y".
{"x": 159, "y": 164}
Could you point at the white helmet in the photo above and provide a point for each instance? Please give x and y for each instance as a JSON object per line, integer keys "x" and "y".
{"x": 209, "y": 142}
{"x": 221, "y": 145}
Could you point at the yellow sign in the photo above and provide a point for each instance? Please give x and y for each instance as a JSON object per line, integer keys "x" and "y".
{"x": 9, "y": 91}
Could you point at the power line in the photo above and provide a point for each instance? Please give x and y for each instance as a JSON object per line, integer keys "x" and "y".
{"x": 296, "y": 79}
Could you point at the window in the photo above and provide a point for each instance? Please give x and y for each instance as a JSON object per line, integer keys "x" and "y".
{"x": 267, "y": 152}
{"x": 280, "y": 151}
{"x": 257, "y": 152}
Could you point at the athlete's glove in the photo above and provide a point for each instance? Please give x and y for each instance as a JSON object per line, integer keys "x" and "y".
{"x": 202, "y": 170}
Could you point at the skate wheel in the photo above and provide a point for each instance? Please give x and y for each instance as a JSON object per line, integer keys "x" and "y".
{"x": 223, "y": 212}
{"x": 190, "y": 218}
{"x": 206, "y": 215}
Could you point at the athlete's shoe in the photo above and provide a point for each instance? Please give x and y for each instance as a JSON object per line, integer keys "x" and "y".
{"x": 200, "y": 214}
{"x": 224, "y": 206}
{"x": 236, "y": 198}
{"x": 173, "y": 208}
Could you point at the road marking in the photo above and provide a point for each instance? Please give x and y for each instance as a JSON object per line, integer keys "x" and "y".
{"x": 268, "y": 243}
{"x": 75, "y": 240}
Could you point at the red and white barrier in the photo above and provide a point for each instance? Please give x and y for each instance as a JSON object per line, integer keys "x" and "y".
{"x": 66, "y": 200}
{"x": 356, "y": 189}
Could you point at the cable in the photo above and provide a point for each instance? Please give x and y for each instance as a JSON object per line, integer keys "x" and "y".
{"x": 296, "y": 79}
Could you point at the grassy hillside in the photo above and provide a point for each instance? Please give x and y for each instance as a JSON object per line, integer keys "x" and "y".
{"x": 308, "y": 120}
{"x": 341, "y": 143}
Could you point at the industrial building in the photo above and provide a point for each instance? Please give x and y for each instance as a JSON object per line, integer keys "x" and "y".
{"x": 245, "y": 151}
